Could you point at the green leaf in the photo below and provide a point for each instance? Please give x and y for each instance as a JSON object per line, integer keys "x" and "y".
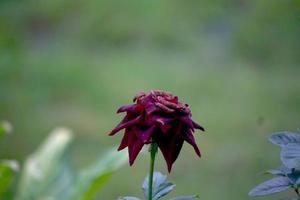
{"x": 290, "y": 155}
{"x": 128, "y": 198}
{"x": 46, "y": 173}
{"x": 5, "y": 127}
{"x": 8, "y": 168}
{"x": 274, "y": 185}
{"x": 161, "y": 186}
{"x": 283, "y": 138}
{"x": 193, "y": 197}
{"x": 92, "y": 178}
{"x": 2, "y": 130}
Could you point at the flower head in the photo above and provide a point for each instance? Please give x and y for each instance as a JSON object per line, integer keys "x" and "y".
{"x": 159, "y": 117}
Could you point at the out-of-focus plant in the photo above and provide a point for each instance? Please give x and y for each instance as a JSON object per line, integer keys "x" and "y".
{"x": 48, "y": 174}
{"x": 159, "y": 119}
{"x": 8, "y": 168}
{"x": 5, "y": 127}
{"x": 161, "y": 187}
{"x": 286, "y": 176}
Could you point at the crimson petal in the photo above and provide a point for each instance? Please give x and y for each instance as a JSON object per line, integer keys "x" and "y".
{"x": 125, "y": 124}
{"x": 134, "y": 147}
{"x": 189, "y": 137}
{"x": 124, "y": 142}
{"x": 188, "y": 121}
{"x": 145, "y": 135}
{"x": 126, "y": 108}
{"x": 170, "y": 148}
{"x": 198, "y": 126}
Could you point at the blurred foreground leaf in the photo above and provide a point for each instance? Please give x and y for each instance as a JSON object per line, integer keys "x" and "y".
{"x": 128, "y": 198}
{"x": 5, "y": 127}
{"x": 89, "y": 180}
{"x": 47, "y": 173}
{"x": 7, "y": 172}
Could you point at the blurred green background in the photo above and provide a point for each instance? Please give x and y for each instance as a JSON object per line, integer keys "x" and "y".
{"x": 73, "y": 63}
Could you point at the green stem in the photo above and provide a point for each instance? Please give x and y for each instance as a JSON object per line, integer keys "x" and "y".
{"x": 153, "y": 150}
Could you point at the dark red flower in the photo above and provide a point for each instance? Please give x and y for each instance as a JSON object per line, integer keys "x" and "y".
{"x": 157, "y": 117}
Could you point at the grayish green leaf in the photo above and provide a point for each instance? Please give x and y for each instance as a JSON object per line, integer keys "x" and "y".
{"x": 291, "y": 198}
{"x": 163, "y": 190}
{"x": 279, "y": 171}
{"x": 283, "y": 138}
{"x": 274, "y": 185}
{"x": 290, "y": 155}
{"x": 161, "y": 186}
{"x": 193, "y": 197}
{"x": 294, "y": 176}
{"x": 128, "y": 198}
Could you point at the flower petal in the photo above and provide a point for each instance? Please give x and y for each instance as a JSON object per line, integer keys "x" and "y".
{"x": 138, "y": 96}
{"x": 187, "y": 121}
{"x": 168, "y": 103}
{"x": 164, "y": 108}
{"x": 198, "y": 126}
{"x": 170, "y": 145}
{"x": 134, "y": 147}
{"x": 165, "y": 128}
{"x": 164, "y": 123}
{"x": 124, "y": 142}
{"x": 125, "y": 124}
{"x": 145, "y": 135}
{"x": 189, "y": 138}
{"x": 171, "y": 150}
{"x": 150, "y": 108}
{"x": 127, "y": 108}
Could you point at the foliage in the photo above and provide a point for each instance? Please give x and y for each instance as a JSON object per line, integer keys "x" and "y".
{"x": 288, "y": 175}
{"x": 48, "y": 174}
{"x": 8, "y": 168}
{"x": 5, "y": 127}
{"x": 161, "y": 187}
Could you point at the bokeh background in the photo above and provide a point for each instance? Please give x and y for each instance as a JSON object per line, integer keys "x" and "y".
{"x": 236, "y": 63}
